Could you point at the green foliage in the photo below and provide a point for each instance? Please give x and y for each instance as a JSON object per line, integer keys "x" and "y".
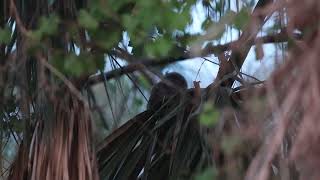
{"x": 209, "y": 116}
{"x": 74, "y": 66}
{"x": 47, "y": 26}
{"x": 148, "y": 15}
{"x": 129, "y": 22}
{"x": 5, "y": 35}
{"x": 208, "y": 174}
{"x": 106, "y": 41}
{"x": 151, "y": 26}
{"x": 242, "y": 18}
{"x": 160, "y": 47}
{"x": 87, "y": 21}
{"x": 77, "y": 65}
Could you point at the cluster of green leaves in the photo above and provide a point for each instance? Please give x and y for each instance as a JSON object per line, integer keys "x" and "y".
{"x": 5, "y": 35}
{"x": 210, "y": 116}
{"x": 155, "y": 28}
{"x": 151, "y": 25}
{"x": 76, "y": 65}
{"x": 47, "y": 26}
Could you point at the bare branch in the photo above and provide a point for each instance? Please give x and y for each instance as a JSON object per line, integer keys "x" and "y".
{"x": 240, "y": 48}
{"x": 149, "y": 62}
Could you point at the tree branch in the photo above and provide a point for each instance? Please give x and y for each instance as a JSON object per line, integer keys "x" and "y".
{"x": 149, "y": 62}
{"x": 241, "y": 48}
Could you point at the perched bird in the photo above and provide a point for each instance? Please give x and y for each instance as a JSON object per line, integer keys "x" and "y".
{"x": 169, "y": 87}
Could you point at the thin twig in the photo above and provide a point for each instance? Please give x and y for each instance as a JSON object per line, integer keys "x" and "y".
{"x": 239, "y": 72}
{"x": 132, "y": 80}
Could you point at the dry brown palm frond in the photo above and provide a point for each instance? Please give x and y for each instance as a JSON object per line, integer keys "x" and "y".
{"x": 61, "y": 146}
{"x": 293, "y": 95}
